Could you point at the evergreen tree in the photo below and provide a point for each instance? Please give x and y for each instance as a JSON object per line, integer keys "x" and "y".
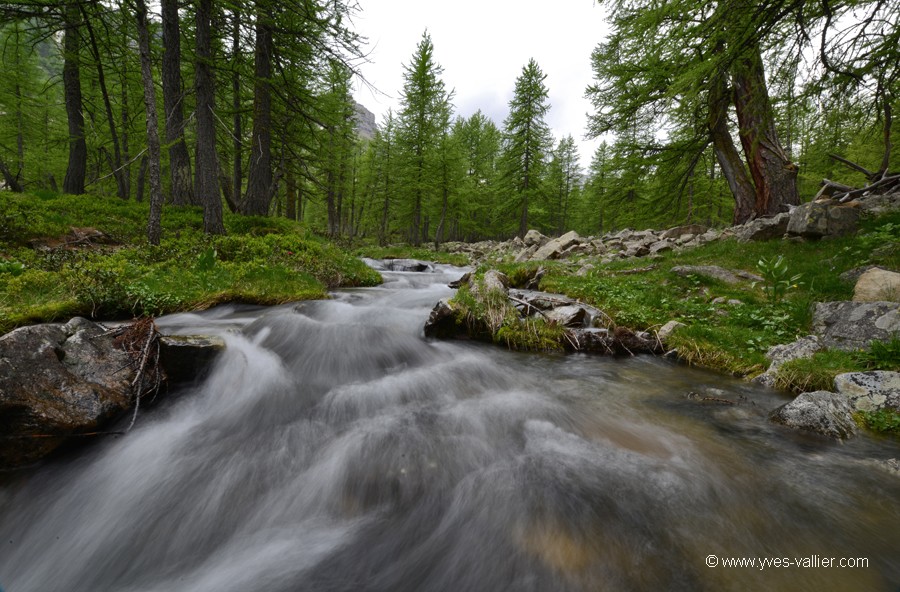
{"x": 526, "y": 142}
{"x": 421, "y": 123}
{"x": 565, "y": 178}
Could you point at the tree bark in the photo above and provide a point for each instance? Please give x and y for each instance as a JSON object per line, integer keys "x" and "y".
{"x": 727, "y": 154}
{"x": 206, "y": 190}
{"x": 76, "y": 171}
{"x": 173, "y": 94}
{"x": 153, "y": 148}
{"x": 259, "y": 183}
{"x": 237, "y": 174}
{"x": 773, "y": 173}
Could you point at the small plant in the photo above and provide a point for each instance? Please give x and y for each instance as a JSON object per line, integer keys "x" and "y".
{"x": 775, "y": 282}
{"x": 12, "y": 268}
{"x": 885, "y": 421}
{"x": 882, "y": 355}
{"x": 206, "y": 261}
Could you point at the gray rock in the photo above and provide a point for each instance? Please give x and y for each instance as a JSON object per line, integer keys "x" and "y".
{"x": 188, "y": 357}
{"x": 870, "y": 391}
{"x": 829, "y": 414}
{"x": 877, "y": 285}
{"x": 825, "y": 218}
{"x": 568, "y": 316}
{"x": 535, "y": 238}
{"x": 407, "y": 265}
{"x": 880, "y": 204}
{"x": 680, "y": 231}
{"x": 493, "y": 281}
{"x": 555, "y": 247}
{"x": 441, "y": 321}
{"x": 585, "y": 269}
{"x": 668, "y": 329}
{"x": 60, "y": 380}
{"x": 777, "y": 355}
{"x": 526, "y": 254}
{"x": 660, "y": 247}
{"x": 762, "y": 229}
{"x": 716, "y": 272}
{"x": 852, "y": 325}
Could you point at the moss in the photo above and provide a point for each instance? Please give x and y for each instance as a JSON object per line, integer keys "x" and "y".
{"x": 531, "y": 335}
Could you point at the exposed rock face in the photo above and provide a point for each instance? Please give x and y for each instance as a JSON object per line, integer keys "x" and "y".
{"x": 365, "y": 121}
{"x": 716, "y": 272}
{"x": 186, "y": 357}
{"x": 852, "y": 325}
{"x": 555, "y": 247}
{"x": 820, "y": 219}
{"x": 59, "y": 380}
{"x": 877, "y": 285}
{"x": 870, "y": 391}
{"x": 762, "y": 228}
{"x": 442, "y": 321}
{"x": 829, "y": 414}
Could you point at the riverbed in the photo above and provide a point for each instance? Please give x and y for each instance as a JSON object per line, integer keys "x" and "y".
{"x": 333, "y": 448}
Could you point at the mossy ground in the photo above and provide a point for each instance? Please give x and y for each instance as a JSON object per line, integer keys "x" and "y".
{"x": 260, "y": 260}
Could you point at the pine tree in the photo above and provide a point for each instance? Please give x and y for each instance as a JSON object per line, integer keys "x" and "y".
{"x": 423, "y": 118}
{"x": 526, "y": 142}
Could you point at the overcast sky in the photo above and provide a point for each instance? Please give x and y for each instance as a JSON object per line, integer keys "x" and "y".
{"x": 482, "y": 46}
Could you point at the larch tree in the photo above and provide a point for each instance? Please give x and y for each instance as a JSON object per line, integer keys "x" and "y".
{"x": 423, "y": 117}
{"x": 526, "y": 142}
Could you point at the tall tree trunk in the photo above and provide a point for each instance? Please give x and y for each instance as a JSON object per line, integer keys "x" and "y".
{"x": 76, "y": 171}
{"x": 291, "y": 207}
{"x": 259, "y": 182}
{"x": 117, "y": 172}
{"x": 206, "y": 190}
{"x": 773, "y": 173}
{"x": 727, "y": 154}
{"x": 153, "y": 148}
{"x": 237, "y": 178}
{"x": 173, "y": 94}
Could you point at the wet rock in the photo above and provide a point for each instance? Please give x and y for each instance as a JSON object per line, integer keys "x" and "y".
{"x": 716, "y": 272}
{"x": 853, "y": 325}
{"x": 407, "y": 265}
{"x": 188, "y": 357}
{"x": 824, "y": 218}
{"x": 870, "y": 391}
{"x": 829, "y": 414}
{"x": 58, "y": 380}
{"x": 441, "y": 321}
{"x": 762, "y": 229}
{"x": 877, "y": 285}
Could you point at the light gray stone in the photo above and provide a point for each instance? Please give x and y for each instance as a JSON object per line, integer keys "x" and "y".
{"x": 824, "y": 218}
{"x": 829, "y": 414}
{"x": 679, "y": 231}
{"x": 567, "y": 316}
{"x": 877, "y": 285}
{"x": 533, "y": 237}
{"x": 853, "y": 325}
{"x": 554, "y": 248}
{"x": 762, "y": 229}
{"x": 716, "y": 272}
{"x": 668, "y": 329}
{"x": 870, "y": 391}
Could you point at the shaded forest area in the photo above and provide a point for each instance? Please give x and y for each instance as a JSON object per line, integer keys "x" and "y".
{"x": 711, "y": 112}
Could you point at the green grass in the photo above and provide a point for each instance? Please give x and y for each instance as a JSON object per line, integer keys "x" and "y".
{"x": 260, "y": 260}
{"x": 408, "y": 252}
{"x": 728, "y": 337}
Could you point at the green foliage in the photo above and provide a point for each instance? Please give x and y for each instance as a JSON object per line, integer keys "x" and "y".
{"x": 272, "y": 261}
{"x": 881, "y": 355}
{"x": 885, "y": 421}
{"x": 816, "y": 373}
{"x": 12, "y": 268}
{"x": 775, "y": 281}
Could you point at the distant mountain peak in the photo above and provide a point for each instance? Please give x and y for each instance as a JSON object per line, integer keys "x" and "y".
{"x": 365, "y": 121}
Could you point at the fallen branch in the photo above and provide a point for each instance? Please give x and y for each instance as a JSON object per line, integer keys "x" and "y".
{"x": 884, "y": 183}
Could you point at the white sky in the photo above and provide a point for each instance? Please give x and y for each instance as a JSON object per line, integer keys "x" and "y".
{"x": 483, "y": 46}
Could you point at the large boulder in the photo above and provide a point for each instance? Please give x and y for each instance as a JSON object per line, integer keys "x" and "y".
{"x": 824, "y": 218}
{"x": 554, "y": 248}
{"x": 533, "y": 237}
{"x": 853, "y": 325}
{"x": 877, "y": 285}
{"x": 870, "y": 391}
{"x": 829, "y": 414}
{"x": 59, "y": 380}
{"x": 761, "y": 229}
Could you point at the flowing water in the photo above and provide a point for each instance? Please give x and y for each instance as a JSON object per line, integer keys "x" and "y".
{"x": 333, "y": 448}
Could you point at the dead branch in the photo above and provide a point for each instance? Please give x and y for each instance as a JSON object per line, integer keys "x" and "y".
{"x": 858, "y": 168}
{"x": 883, "y": 184}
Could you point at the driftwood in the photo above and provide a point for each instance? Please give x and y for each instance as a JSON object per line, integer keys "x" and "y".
{"x": 878, "y": 182}
{"x": 140, "y": 341}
